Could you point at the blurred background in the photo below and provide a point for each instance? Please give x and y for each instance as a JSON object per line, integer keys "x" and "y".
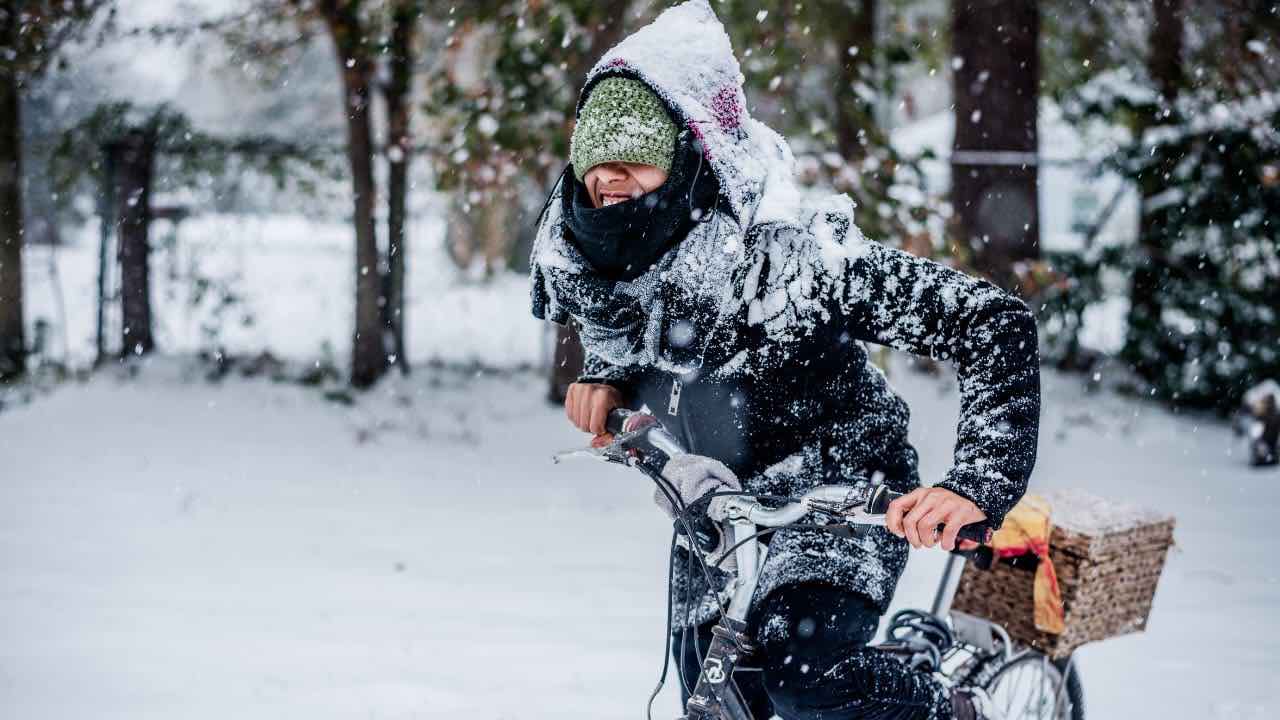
{"x": 275, "y": 418}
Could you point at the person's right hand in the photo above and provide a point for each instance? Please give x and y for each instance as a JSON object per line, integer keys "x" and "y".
{"x": 588, "y": 405}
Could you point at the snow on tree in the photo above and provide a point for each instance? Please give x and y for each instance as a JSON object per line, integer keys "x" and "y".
{"x": 1202, "y": 113}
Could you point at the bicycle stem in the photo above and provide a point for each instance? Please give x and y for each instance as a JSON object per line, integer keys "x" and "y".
{"x": 749, "y": 556}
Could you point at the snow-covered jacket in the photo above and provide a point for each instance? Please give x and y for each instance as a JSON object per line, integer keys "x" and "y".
{"x": 746, "y": 338}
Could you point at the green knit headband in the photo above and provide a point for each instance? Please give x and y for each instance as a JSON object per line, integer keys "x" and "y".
{"x": 622, "y": 121}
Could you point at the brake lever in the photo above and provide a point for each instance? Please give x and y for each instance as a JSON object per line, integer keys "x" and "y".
{"x": 619, "y": 451}
{"x": 865, "y": 508}
{"x": 589, "y": 453}
{"x": 860, "y": 515}
{"x": 855, "y": 514}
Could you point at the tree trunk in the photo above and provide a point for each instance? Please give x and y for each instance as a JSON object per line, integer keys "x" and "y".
{"x": 1165, "y": 64}
{"x": 1165, "y": 68}
{"x": 106, "y": 224}
{"x": 854, "y": 118}
{"x": 404, "y": 24}
{"x": 13, "y": 346}
{"x": 567, "y": 362}
{"x": 368, "y": 353}
{"x": 134, "y": 157}
{"x": 607, "y": 29}
{"x": 994, "y": 174}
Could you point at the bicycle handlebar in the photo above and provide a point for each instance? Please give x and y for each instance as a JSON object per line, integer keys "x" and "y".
{"x": 864, "y": 510}
{"x": 618, "y": 423}
{"x": 850, "y": 501}
{"x": 617, "y": 419}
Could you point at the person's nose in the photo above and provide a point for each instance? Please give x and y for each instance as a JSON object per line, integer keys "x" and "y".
{"x": 612, "y": 174}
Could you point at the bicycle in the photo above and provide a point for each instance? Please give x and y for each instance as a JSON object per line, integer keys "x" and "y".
{"x": 959, "y": 649}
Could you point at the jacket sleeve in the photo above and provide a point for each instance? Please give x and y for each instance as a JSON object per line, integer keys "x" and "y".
{"x": 890, "y": 297}
{"x": 596, "y": 369}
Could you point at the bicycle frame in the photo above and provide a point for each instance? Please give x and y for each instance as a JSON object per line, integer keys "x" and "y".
{"x": 716, "y": 694}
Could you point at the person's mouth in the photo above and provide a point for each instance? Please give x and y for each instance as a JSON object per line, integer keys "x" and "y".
{"x": 608, "y": 199}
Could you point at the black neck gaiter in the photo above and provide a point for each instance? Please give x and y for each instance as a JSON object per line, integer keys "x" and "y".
{"x": 623, "y": 240}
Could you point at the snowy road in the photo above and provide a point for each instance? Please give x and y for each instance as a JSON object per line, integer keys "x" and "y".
{"x": 184, "y": 550}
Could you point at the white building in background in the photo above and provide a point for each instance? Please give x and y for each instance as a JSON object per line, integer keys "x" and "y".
{"x": 1072, "y": 195}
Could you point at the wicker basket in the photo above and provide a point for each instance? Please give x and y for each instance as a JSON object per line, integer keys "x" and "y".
{"x": 1108, "y": 559}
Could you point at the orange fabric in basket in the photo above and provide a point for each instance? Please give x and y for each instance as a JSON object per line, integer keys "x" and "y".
{"x": 1026, "y": 530}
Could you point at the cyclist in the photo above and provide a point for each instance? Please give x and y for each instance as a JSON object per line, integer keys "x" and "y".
{"x": 706, "y": 286}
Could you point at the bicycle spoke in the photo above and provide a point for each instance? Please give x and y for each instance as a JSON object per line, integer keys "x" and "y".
{"x": 1044, "y": 664}
{"x": 1013, "y": 694}
{"x": 1031, "y": 688}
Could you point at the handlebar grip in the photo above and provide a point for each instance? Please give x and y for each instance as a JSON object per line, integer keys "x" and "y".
{"x": 617, "y": 418}
{"x": 982, "y": 556}
{"x": 979, "y": 532}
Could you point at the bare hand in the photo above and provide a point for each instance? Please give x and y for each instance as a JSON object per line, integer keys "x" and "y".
{"x": 588, "y": 405}
{"x": 917, "y": 515}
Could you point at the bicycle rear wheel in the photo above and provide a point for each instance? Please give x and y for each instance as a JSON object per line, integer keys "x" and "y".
{"x": 1031, "y": 687}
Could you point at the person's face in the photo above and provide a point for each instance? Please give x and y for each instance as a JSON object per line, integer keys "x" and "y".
{"x": 614, "y": 182}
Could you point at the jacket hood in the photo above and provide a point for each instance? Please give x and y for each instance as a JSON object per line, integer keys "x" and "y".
{"x": 686, "y": 58}
{"x": 667, "y": 316}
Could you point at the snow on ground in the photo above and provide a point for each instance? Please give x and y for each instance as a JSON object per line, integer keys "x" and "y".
{"x": 173, "y": 548}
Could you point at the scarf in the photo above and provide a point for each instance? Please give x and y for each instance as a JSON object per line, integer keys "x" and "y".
{"x": 665, "y": 317}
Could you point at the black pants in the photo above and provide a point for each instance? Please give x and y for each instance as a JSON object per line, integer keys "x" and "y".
{"x": 815, "y": 663}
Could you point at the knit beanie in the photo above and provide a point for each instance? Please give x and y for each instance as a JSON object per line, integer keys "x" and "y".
{"x": 622, "y": 121}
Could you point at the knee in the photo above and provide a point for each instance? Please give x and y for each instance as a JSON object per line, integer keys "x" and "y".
{"x": 792, "y": 682}
{"x": 813, "y": 638}
{"x": 855, "y": 683}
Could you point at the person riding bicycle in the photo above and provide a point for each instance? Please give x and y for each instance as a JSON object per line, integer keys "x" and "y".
{"x": 708, "y": 286}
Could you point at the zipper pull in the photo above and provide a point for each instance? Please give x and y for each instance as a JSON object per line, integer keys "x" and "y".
{"x": 673, "y": 406}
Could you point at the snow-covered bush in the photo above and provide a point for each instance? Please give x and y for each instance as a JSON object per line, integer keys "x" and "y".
{"x": 1204, "y": 320}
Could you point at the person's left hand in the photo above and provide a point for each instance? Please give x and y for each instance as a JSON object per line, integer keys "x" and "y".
{"x": 692, "y": 477}
{"x": 917, "y": 515}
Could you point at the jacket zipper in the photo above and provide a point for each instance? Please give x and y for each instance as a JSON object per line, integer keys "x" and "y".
{"x": 673, "y": 409}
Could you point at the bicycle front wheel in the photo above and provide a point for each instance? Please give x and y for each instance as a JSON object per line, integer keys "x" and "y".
{"x": 1032, "y": 687}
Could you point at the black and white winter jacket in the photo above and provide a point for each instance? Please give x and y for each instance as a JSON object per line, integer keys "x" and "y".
{"x": 761, "y": 314}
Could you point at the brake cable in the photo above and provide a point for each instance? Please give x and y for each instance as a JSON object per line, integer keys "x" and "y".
{"x": 666, "y": 638}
